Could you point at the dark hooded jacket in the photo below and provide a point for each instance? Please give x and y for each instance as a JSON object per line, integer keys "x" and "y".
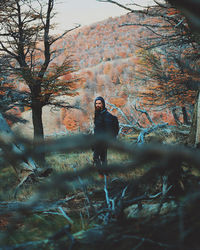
{"x": 103, "y": 120}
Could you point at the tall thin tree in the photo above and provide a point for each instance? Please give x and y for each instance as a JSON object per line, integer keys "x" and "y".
{"x": 25, "y": 33}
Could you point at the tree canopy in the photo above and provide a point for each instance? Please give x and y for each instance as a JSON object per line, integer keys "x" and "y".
{"x": 26, "y": 39}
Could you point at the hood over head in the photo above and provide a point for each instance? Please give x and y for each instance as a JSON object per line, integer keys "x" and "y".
{"x": 100, "y": 98}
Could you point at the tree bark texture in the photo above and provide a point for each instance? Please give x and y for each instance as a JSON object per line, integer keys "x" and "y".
{"x": 185, "y": 116}
{"x": 194, "y": 138}
{"x": 37, "y": 120}
{"x": 197, "y": 137}
{"x": 176, "y": 118}
{"x": 38, "y": 125}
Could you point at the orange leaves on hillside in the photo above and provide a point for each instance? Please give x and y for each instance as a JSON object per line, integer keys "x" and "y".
{"x": 100, "y": 83}
{"x": 172, "y": 12}
{"x": 122, "y": 54}
{"x": 75, "y": 120}
{"x": 107, "y": 68}
{"x": 118, "y": 101}
{"x": 14, "y": 111}
{"x": 88, "y": 75}
{"x": 70, "y": 123}
{"x": 102, "y": 41}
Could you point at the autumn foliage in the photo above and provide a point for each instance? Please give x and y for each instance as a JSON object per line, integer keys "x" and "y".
{"x": 169, "y": 82}
{"x": 110, "y": 64}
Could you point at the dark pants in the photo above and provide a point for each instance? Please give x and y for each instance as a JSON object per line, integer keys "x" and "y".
{"x": 100, "y": 158}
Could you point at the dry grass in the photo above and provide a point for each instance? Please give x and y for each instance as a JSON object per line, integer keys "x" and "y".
{"x": 60, "y": 163}
{"x": 42, "y": 225}
{"x": 39, "y": 226}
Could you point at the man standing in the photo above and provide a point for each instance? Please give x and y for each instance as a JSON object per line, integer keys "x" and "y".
{"x": 104, "y": 124}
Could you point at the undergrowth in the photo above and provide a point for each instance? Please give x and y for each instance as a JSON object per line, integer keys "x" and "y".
{"x": 42, "y": 225}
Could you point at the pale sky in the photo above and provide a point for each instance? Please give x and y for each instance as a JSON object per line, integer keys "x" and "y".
{"x": 86, "y": 12}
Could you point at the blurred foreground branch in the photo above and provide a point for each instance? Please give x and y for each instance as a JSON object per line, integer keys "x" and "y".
{"x": 158, "y": 160}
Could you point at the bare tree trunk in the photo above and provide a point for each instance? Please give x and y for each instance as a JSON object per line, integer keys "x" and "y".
{"x": 38, "y": 125}
{"x": 185, "y": 116}
{"x": 197, "y": 137}
{"x": 194, "y": 138}
{"x": 37, "y": 121}
{"x": 176, "y": 118}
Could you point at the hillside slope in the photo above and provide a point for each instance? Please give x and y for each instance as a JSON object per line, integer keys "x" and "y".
{"x": 105, "y": 54}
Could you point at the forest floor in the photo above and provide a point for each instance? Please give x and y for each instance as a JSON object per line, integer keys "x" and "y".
{"x": 89, "y": 208}
{"x": 40, "y": 225}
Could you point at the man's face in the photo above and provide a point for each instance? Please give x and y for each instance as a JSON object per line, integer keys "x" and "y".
{"x": 99, "y": 105}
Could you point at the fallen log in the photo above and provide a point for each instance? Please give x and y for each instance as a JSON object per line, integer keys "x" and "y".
{"x": 31, "y": 206}
{"x": 147, "y": 210}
